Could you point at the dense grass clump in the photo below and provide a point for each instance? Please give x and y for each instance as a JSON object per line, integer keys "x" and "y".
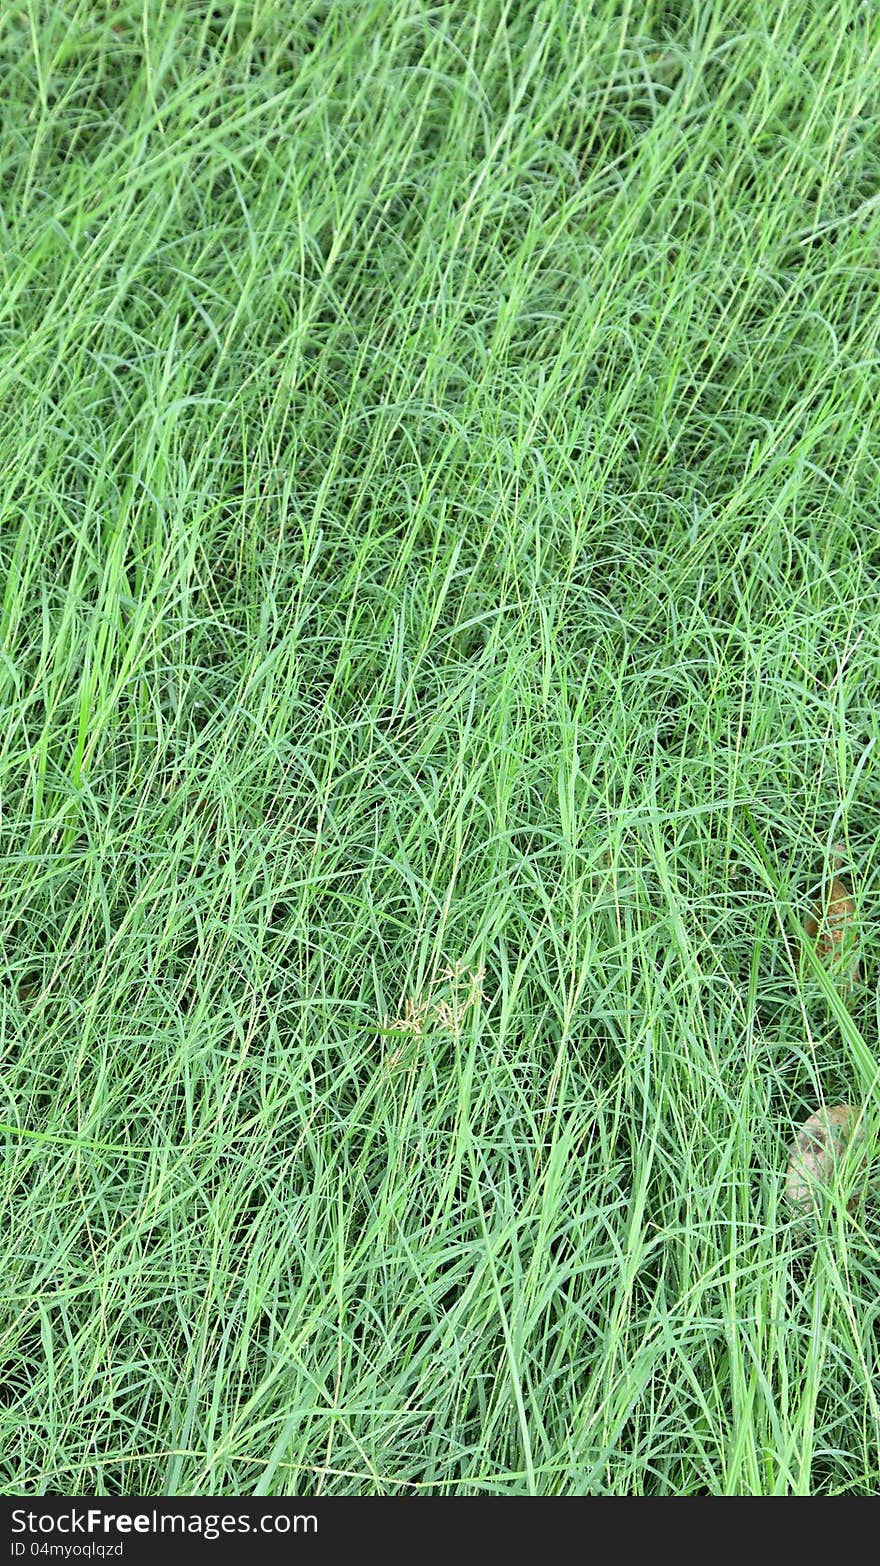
{"x": 438, "y": 652}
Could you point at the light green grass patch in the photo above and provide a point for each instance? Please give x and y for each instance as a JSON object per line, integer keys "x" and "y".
{"x": 438, "y": 521}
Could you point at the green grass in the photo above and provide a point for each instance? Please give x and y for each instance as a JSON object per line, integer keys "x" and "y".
{"x": 439, "y": 531}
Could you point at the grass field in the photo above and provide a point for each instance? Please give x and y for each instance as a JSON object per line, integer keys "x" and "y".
{"x": 438, "y": 652}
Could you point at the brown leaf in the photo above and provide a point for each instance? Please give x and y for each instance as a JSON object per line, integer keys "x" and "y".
{"x": 819, "y": 1144}
{"x": 832, "y": 924}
